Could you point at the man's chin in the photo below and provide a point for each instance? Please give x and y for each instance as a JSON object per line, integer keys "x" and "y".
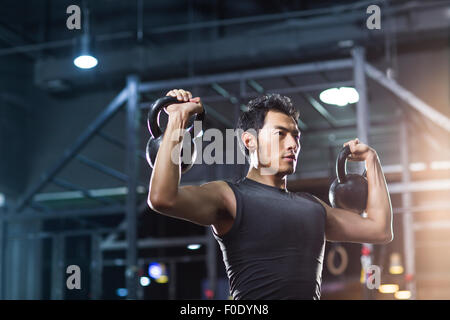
{"x": 286, "y": 170}
{"x": 281, "y": 170}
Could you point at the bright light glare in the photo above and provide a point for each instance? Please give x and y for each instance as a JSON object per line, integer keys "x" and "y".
{"x": 155, "y": 270}
{"x": 194, "y": 246}
{"x": 339, "y": 96}
{"x": 417, "y": 166}
{"x": 145, "y": 281}
{"x": 440, "y": 165}
{"x": 403, "y": 295}
{"x": 162, "y": 279}
{"x": 396, "y": 270}
{"x": 388, "y": 288}
{"x": 122, "y": 292}
{"x": 85, "y": 62}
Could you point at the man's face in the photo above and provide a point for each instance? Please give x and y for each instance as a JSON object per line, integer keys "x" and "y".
{"x": 279, "y": 143}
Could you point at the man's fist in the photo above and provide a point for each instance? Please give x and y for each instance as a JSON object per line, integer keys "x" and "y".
{"x": 192, "y": 105}
{"x": 359, "y": 151}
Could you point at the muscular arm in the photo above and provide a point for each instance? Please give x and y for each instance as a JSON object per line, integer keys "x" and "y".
{"x": 376, "y": 227}
{"x": 199, "y": 204}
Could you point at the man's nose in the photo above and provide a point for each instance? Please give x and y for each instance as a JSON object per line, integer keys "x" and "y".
{"x": 293, "y": 144}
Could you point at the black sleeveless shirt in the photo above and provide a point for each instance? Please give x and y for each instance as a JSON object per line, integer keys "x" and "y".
{"x": 274, "y": 249}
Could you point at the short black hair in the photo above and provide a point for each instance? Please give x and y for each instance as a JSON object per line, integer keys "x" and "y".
{"x": 257, "y": 110}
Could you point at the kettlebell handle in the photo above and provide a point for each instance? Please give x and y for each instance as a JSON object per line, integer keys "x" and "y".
{"x": 154, "y": 112}
{"x": 341, "y": 165}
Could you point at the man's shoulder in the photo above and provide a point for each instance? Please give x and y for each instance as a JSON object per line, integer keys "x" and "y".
{"x": 223, "y": 189}
{"x": 215, "y": 184}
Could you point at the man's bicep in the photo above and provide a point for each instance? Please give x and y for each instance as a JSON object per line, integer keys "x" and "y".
{"x": 346, "y": 226}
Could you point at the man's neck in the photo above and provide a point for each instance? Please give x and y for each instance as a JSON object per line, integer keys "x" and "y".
{"x": 271, "y": 180}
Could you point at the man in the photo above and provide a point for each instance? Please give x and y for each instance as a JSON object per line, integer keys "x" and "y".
{"x": 272, "y": 240}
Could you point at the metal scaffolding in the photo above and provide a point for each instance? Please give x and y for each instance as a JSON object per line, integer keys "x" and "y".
{"x": 130, "y": 97}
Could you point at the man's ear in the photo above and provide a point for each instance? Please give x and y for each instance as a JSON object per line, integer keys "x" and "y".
{"x": 249, "y": 140}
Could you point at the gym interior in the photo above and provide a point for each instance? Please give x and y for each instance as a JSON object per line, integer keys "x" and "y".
{"x": 78, "y": 79}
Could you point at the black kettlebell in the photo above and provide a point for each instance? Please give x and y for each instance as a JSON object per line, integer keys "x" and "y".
{"x": 156, "y": 138}
{"x": 348, "y": 191}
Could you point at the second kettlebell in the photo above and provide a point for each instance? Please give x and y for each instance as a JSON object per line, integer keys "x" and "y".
{"x": 348, "y": 191}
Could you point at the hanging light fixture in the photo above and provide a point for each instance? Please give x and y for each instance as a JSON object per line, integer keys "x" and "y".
{"x": 85, "y": 58}
{"x": 395, "y": 266}
{"x": 339, "y": 96}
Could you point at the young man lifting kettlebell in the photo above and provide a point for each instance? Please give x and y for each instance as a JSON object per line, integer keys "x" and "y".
{"x": 272, "y": 239}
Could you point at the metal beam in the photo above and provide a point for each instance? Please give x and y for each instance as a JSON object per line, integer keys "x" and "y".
{"x": 260, "y": 89}
{"x": 12, "y": 38}
{"x": 332, "y": 10}
{"x": 102, "y": 168}
{"x": 362, "y": 108}
{"x": 419, "y": 186}
{"x": 235, "y": 52}
{"x": 62, "y": 43}
{"x": 156, "y": 243}
{"x": 52, "y": 234}
{"x": 62, "y": 214}
{"x": 428, "y": 132}
{"x": 3, "y": 246}
{"x": 58, "y": 271}
{"x": 289, "y": 90}
{"x": 118, "y": 143}
{"x": 82, "y": 140}
{"x": 39, "y": 207}
{"x": 250, "y": 74}
{"x": 255, "y": 85}
{"x": 146, "y": 260}
{"x": 362, "y": 128}
{"x": 224, "y": 93}
{"x": 426, "y": 225}
{"x": 408, "y": 219}
{"x": 70, "y": 186}
{"x": 321, "y": 110}
{"x": 96, "y": 267}
{"x": 132, "y": 171}
{"x": 216, "y": 115}
{"x": 407, "y": 96}
{"x": 435, "y": 206}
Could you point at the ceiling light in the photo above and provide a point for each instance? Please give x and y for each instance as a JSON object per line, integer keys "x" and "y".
{"x": 194, "y": 246}
{"x": 85, "y": 58}
{"x": 85, "y": 62}
{"x": 339, "y": 96}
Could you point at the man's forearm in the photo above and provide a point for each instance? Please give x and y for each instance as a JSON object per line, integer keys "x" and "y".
{"x": 165, "y": 177}
{"x": 378, "y": 202}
